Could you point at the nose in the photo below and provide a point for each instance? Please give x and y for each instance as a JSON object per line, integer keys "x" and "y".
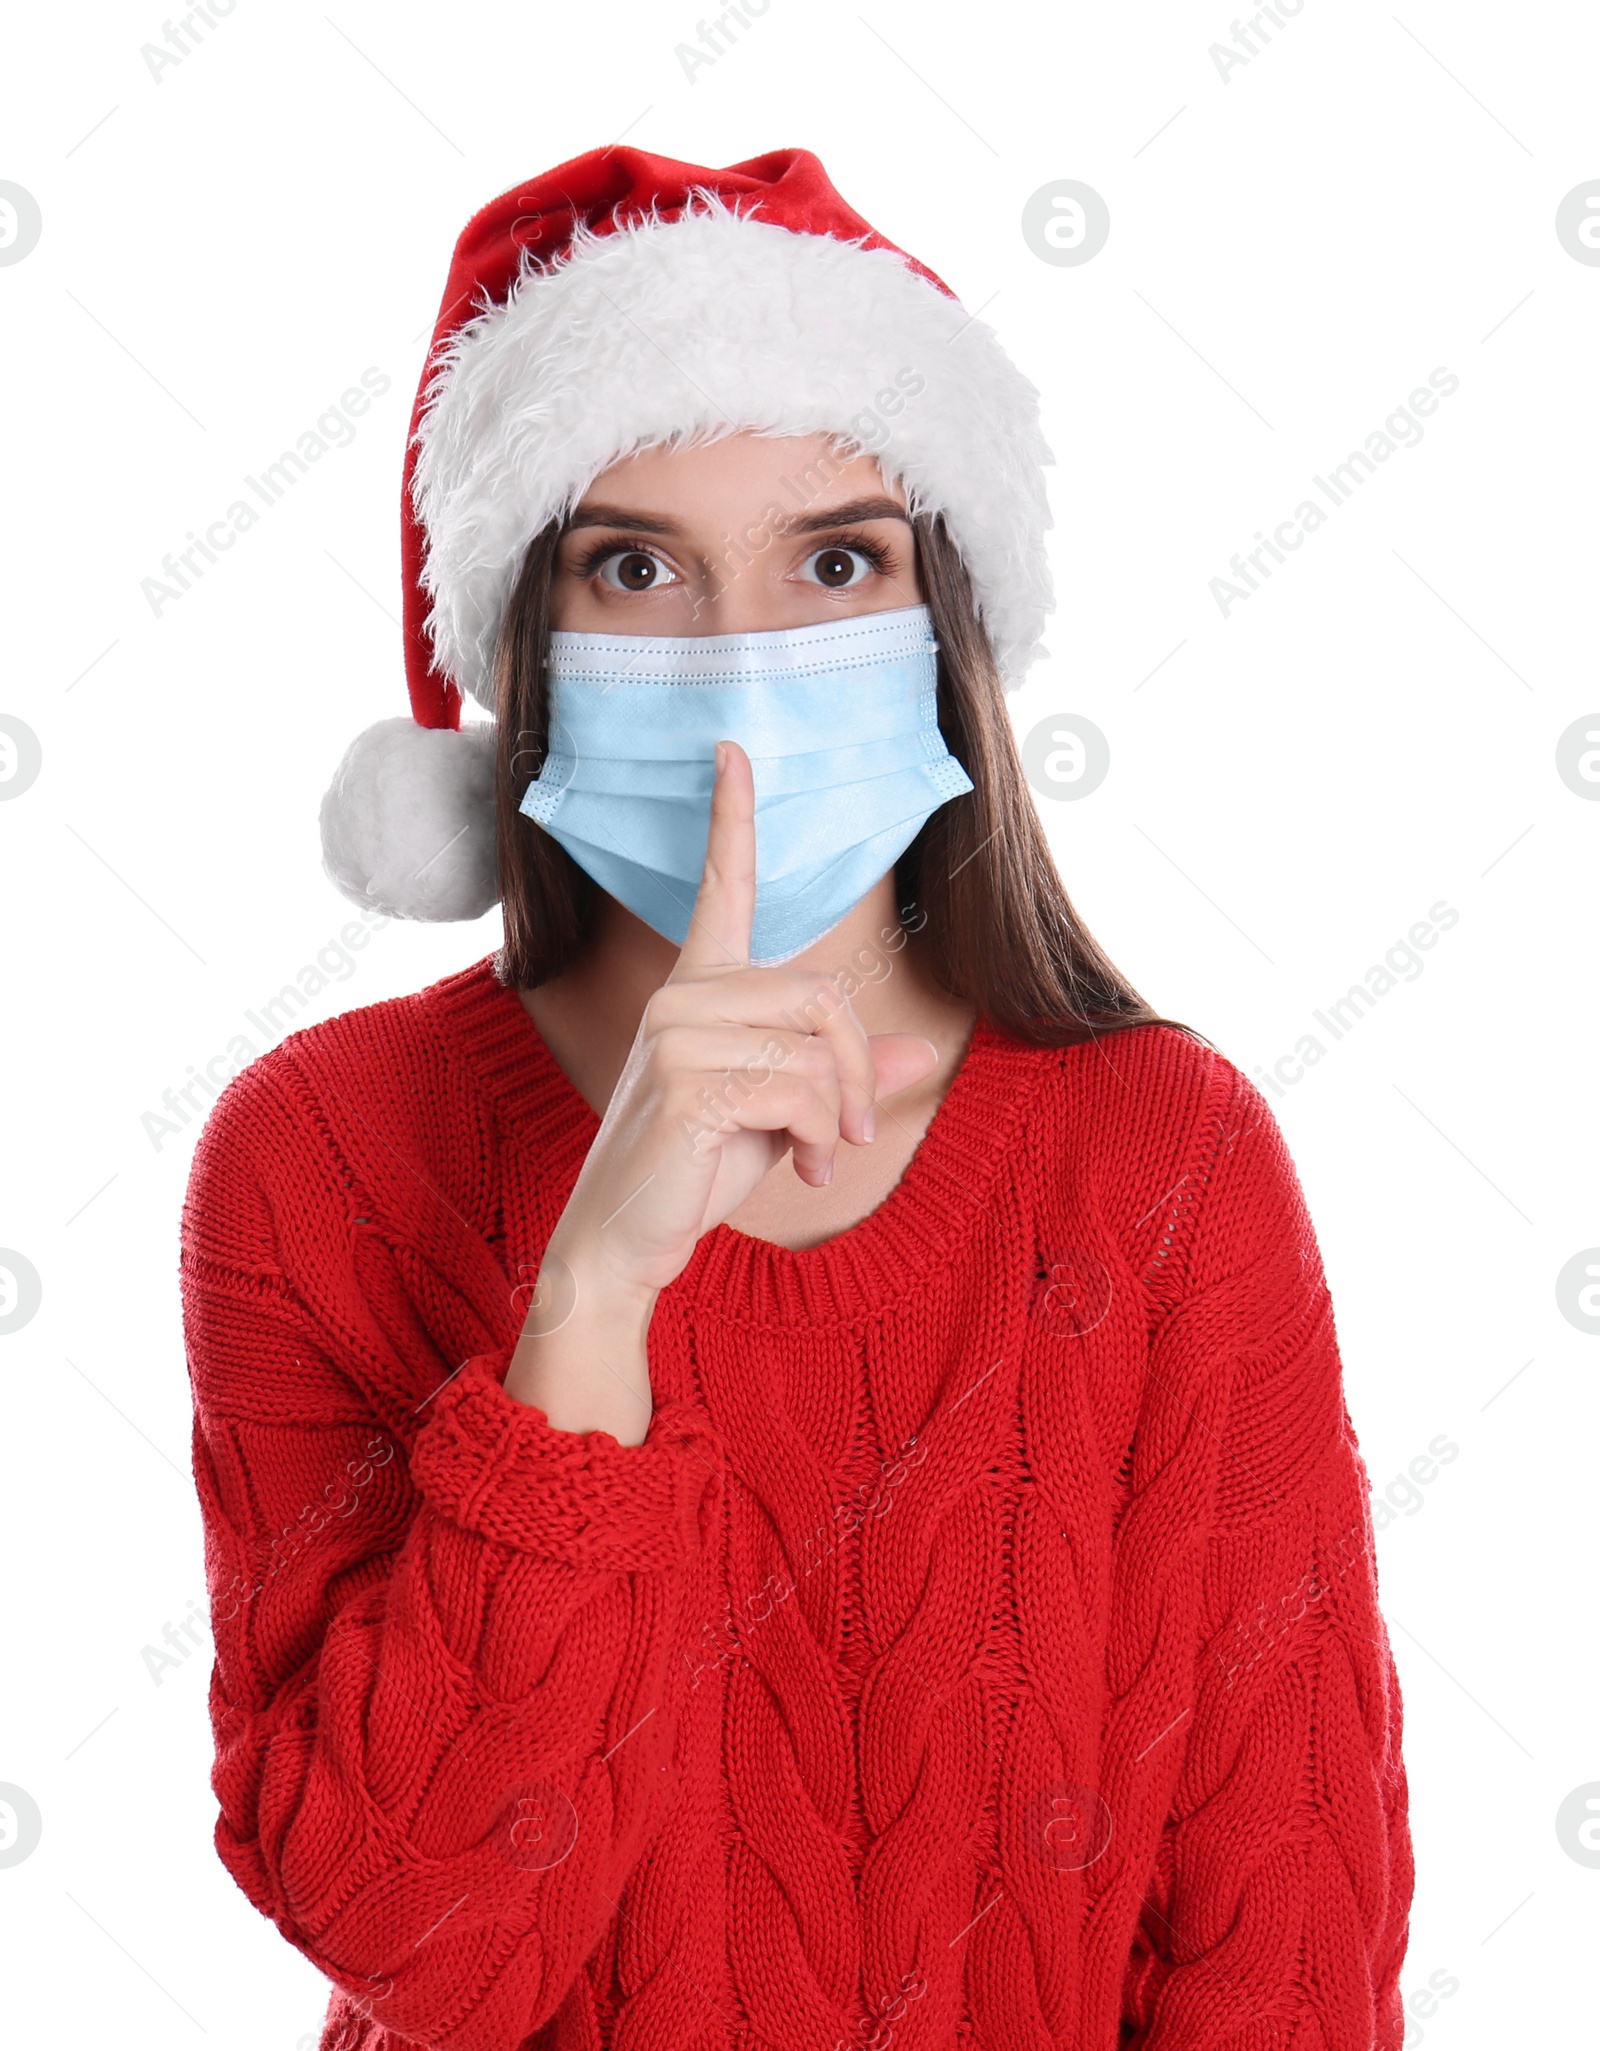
{"x": 731, "y": 603}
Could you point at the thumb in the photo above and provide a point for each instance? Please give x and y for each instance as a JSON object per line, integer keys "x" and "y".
{"x": 901, "y": 1059}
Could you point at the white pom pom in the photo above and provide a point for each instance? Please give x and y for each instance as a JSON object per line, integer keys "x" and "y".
{"x": 408, "y": 822}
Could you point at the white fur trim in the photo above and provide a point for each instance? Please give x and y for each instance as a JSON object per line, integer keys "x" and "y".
{"x": 408, "y": 822}
{"x": 688, "y": 330}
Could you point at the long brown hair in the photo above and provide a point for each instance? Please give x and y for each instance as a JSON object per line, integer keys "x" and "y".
{"x": 977, "y": 887}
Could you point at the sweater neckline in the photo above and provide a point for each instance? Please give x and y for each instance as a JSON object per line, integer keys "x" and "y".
{"x": 882, "y": 1259}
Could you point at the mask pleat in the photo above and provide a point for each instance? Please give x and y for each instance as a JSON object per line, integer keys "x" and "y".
{"x": 840, "y": 724}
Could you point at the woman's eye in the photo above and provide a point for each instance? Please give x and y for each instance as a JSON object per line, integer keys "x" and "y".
{"x": 634, "y": 570}
{"x": 838, "y": 568}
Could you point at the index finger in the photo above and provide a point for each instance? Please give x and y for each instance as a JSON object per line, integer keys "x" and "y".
{"x": 724, "y": 910}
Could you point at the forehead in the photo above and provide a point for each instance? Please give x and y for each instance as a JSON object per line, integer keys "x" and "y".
{"x": 746, "y": 464}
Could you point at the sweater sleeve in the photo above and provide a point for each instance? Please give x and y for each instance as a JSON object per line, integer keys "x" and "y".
{"x": 1278, "y": 1915}
{"x": 444, "y": 1632}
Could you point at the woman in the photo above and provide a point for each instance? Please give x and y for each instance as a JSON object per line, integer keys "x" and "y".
{"x": 774, "y": 1459}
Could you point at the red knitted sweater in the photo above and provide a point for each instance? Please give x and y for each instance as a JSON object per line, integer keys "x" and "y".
{"x": 981, "y": 1650}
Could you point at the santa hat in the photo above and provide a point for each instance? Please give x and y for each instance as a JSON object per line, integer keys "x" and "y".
{"x": 622, "y": 300}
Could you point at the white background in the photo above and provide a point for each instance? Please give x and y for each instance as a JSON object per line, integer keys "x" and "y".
{"x": 1291, "y": 786}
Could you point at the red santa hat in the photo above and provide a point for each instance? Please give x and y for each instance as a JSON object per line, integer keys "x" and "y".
{"x": 622, "y": 300}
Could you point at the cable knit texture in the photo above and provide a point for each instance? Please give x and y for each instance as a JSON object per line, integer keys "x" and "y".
{"x": 981, "y": 1649}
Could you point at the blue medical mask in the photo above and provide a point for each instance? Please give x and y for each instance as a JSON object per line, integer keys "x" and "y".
{"x": 841, "y": 726}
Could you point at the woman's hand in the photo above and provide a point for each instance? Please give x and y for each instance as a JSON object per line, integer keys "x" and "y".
{"x": 732, "y": 1067}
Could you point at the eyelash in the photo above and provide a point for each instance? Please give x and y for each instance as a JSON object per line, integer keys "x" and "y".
{"x": 600, "y": 552}
{"x": 875, "y": 552}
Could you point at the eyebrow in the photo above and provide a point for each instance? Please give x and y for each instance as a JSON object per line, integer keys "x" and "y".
{"x": 848, "y": 515}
